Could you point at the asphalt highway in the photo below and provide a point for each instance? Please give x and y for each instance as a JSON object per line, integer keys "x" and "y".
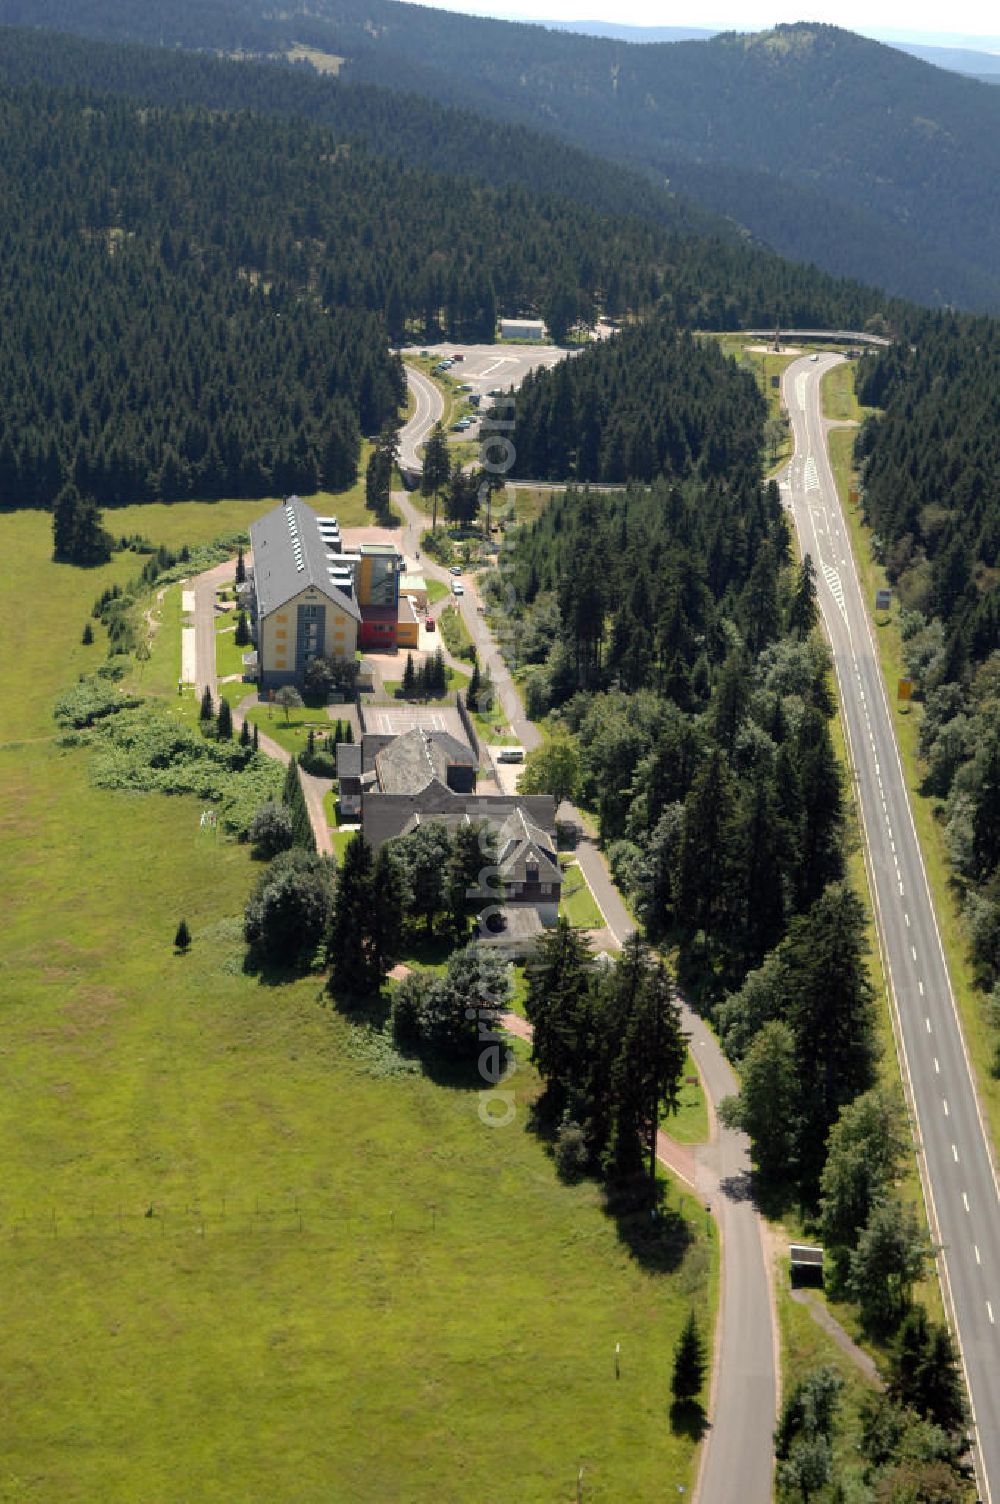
{"x": 953, "y": 1149}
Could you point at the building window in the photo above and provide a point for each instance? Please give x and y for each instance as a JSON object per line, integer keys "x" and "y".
{"x": 531, "y": 872}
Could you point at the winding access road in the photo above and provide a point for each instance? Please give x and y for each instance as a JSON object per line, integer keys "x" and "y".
{"x": 428, "y": 408}
{"x": 953, "y": 1146}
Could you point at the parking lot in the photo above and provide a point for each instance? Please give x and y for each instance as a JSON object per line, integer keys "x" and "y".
{"x": 394, "y": 720}
{"x": 485, "y": 367}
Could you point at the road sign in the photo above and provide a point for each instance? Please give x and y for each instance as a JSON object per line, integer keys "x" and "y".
{"x": 905, "y": 690}
{"x": 883, "y": 600}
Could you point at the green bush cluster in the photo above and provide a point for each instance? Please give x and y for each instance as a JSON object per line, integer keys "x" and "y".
{"x": 145, "y": 750}
{"x": 91, "y": 700}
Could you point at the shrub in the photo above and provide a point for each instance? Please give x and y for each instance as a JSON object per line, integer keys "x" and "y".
{"x": 571, "y": 1152}
{"x": 271, "y": 830}
{"x": 289, "y": 910}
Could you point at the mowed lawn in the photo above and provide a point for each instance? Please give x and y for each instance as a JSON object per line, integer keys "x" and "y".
{"x": 347, "y": 1288}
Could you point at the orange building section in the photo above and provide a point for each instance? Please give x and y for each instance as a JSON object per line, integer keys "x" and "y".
{"x": 407, "y": 625}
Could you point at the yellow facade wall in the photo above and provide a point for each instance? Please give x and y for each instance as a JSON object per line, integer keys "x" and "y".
{"x": 277, "y": 645}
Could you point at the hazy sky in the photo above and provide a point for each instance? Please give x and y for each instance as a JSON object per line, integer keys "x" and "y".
{"x": 961, "y": 22}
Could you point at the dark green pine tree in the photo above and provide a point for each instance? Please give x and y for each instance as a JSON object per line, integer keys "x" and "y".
{"x": 242, "y": 636}
{"x": 241, "y": 568}
{"x": 440, "y": 680}
{"x": 803, "y": 611}
{"x": 295, "y": 799}
{"x": 390, "y": 894}
{"x": 224, "y": 721}
{"x": 246, "y": 739}
{"x": 829, "y": 1007}
{"x": 926, "y": 1375}
{"x": 557, "y": 1007}
{"x": 705, "y": 895}
{"x": 182, "y": 939}
{"x": 689, "y": 1363}
{"x": 207, "y": 711}
{"x": 409, "y": 678}
{"x": 88, "y": 634}
{"x": 351, "y": 955}
{"x": 436, "y": 470}
{"x": 77, "y": 534}
{"x": 820, "y": 847}
{"x": 647, "y": 1072}
{"x": 256, "y": 737}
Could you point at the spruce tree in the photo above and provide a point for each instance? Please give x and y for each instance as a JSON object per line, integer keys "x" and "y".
{"x": 354, "y": 965}
{"x": 295, "y": 799}
{"x": 689, "y": 1363}
{"x": 803, "y": 611}
{"x": 245, "y": 737}
{"x": 256, "y": 737}
{"x": 440, "y": 674}
{"x": 88, "y": 634}
{"x": 207, "y": 711}
{"x": 182, "y": 939}
{"x": 409, "y": 678}
{"x": 241, "y": 568}
{"x": 242, "y": 635}
{"x": 348, "y": 732}
{"x": 436, "y": 470}
{"x": 224, "y": 721}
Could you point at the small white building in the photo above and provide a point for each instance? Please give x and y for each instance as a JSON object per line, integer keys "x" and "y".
{"x": 533, "y": 329}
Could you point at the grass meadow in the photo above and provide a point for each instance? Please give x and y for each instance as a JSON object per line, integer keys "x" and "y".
{"x": 243, "y": 1256}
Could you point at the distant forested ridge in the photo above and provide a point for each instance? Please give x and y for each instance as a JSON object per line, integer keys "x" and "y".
{"x": 711, "y": 274}
{"x": 930, "y": 467}
{"x": 830, "y": 147}
{"x": 649, "y": 402}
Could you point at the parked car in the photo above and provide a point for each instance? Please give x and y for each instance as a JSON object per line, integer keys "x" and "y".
{"x": 455, "y": 568}
{"x": 457, "y": 356}
{"x": 431, "y": 626}
{"x": 456, "y": 588}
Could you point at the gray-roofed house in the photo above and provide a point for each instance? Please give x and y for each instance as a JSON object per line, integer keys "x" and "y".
{"x": 303, "y": 597}
{"x": 529, "y": 867}
{"x": 409, "y": 763}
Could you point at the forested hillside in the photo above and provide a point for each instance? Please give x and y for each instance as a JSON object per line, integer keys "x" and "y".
{"x": 674, "y": 639}
{"x": 201, "y": 304}
{"x": 721, "y": 284}
{"x": 596, "y": 418}
{"x": 397, "y": 124}
{"x": 931, "y": 490}
{"x": 831, "y": 147}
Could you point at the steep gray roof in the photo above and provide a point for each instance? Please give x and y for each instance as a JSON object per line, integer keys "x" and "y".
{"x": 289, "y": 556}
{"x": 520, "y": 842}
{"x": 411, "y": 761}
